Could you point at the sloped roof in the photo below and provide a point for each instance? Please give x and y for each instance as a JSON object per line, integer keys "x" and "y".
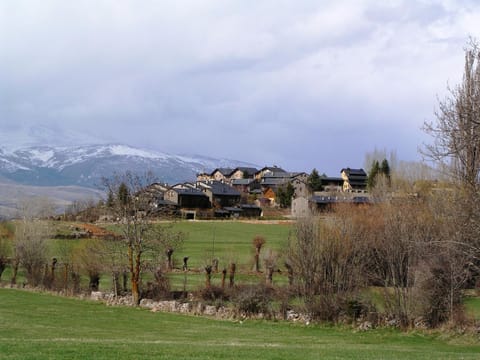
{"x": 223, "y": 171}
{"x": 219, "y": 188}
{"x": 354, "y": 172}
{"x": 249, "y": 170}
{"x": 190, "y": 192}
{"x": 272, "y": 169}
{"x": 269, "y": 180}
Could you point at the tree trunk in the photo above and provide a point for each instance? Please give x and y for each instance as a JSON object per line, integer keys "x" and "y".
{"x": 269, "y": 275}
{"x": 125, "y": 280}
{"x": 65, "y": 276}
{"x": 52, "y": 269}
{"x": 115, "y": 283}
{"x": 290, "y": 273}
{"x": 136, "y": 279}
{"x": 2, "y": 267}
{"x": 135, "y": 291}
{"x": 169, "y": 259}
{"x": 257, "y": 260}
{"x": 208, "y": 276}
{"x": 14, "y": 271}
{"x": 224, "y": 275}
{"x": 232, "y": 274}
{"x": 76, "y": 282}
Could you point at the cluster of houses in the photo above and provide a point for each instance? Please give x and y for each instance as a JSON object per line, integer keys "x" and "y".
{"x": 245, "y": 191}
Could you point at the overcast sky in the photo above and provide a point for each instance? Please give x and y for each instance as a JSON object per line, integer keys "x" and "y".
{"x": 299, "y": 84}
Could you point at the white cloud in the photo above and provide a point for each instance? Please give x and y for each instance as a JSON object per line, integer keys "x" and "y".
{"x": 133, "y": 71}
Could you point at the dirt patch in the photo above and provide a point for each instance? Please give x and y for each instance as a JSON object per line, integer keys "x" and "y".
{"x": 97, "y": 231}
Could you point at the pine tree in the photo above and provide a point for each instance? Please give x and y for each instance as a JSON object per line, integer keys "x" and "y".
{"x": 372, "y": 175}
{"x": 314, "y": 181}
{"x": 123, "y": 194}
{"x": 385, "y": 170}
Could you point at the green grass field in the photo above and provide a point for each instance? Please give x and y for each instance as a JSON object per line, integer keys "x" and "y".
{"x": 42, "y": 326}
{"x": 472, "y": 306}
{"x": 227, "y": 241}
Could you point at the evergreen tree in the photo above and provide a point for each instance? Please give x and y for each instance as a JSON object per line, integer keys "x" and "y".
{"x": 285, "y": 194}
{"x": 372, "y": 174}
{"x": 123, "y": 194}
{"x": 314, "y": 181}
{"x": 385, "y": 170}
{"x": 377, "y": 169}
{"x": 110, "y": 199}
{"x": 290, "y": 191}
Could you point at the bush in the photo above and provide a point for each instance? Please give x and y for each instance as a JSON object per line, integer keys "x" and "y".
{"x": 213, "y": 295}
{"x": 158, "y": 289}
{"x": 253, "y": 300}
{"x": 337, "y": 307}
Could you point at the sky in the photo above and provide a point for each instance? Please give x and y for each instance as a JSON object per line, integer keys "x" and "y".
{"x": 295, "y": 83}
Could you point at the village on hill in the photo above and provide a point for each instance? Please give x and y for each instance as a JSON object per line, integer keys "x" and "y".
{"x": 245, "y": 192}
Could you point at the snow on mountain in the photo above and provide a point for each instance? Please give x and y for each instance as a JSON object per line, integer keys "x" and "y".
{"x": 87, "y": 165}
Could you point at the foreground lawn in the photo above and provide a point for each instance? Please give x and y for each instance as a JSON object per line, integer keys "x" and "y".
{"x": 41, "y": 326}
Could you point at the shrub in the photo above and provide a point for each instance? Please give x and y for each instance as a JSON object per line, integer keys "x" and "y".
{"x": 253, "y": 300}
{"x": 213, "y": 295}
{"x": 158, "y": 289}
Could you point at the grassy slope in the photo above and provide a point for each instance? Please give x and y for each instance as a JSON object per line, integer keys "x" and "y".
{"x": 41, "y": 326}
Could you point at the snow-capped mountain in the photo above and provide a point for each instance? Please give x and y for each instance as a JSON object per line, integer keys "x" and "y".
{"x": 86, "y": 165}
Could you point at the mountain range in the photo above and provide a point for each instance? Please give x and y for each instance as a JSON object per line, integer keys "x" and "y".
{"x": 43, "y": 169}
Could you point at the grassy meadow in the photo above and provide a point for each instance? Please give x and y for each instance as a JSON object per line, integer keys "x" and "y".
{"x": 227, "y": 241}
{"x": 42, "y": 326}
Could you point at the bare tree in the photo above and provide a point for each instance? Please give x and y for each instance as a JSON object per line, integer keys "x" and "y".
{"x": 144, "y": 240}
{"x": 327, "y": 261}
{"x": 6, "y": 235}
{"x": 270, "y": 259}
{"x": 31, "y": 233}
{"x": 90, "y": 258}
{"x": 456, "y": 149}
{"x": 456, "y": 132}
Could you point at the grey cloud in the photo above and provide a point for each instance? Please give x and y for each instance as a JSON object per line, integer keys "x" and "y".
{"x": 268, "y": 82}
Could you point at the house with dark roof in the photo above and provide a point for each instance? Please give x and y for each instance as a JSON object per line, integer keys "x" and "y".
{"x": 331, "y": 184}
{"x": 354, "y": 180}
{"x": 220, "y": 193}
{"x": 203, "y": 176}
{"x": 268, "y": 170}
{"x": 323, "y": 201}
{"x": 221, "y": 174}
{"x": 242, "y": 185}
{"x": 242, "y": 173}
{"x": 188, "y": 198}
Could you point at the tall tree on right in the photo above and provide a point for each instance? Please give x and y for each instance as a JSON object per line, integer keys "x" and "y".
{"x": 456, "y": 149}
{"x": 456, "y": 131}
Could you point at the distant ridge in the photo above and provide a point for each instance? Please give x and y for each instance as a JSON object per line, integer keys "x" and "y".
{"x": 87, "y": 165}
{"x": 65, "y": 174}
